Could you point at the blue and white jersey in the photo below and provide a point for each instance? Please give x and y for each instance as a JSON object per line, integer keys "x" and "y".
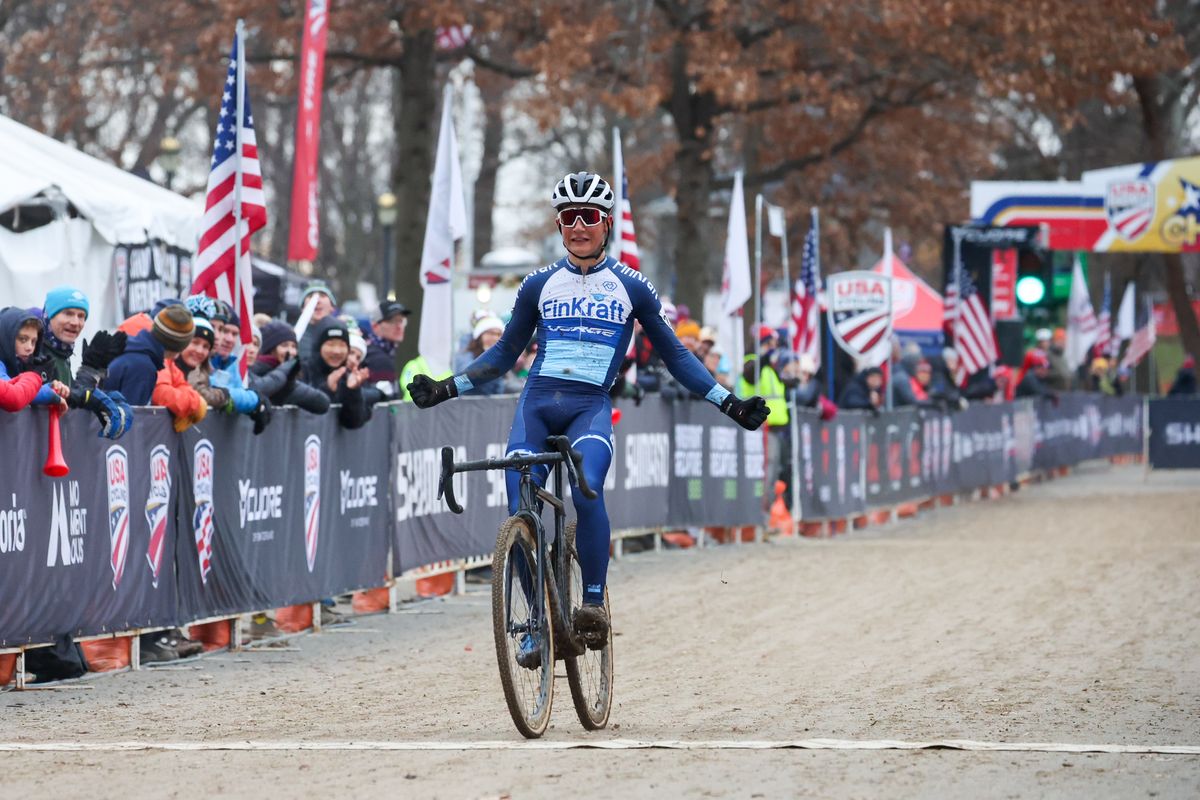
{"x": 583, "y": 323}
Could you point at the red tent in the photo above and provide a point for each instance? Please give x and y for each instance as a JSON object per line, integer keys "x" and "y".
{"x": 917, "y": 306}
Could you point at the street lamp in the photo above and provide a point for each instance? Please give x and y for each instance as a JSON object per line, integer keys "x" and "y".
{"x": 168, "y": 157}
{"x": 386, "y": 208}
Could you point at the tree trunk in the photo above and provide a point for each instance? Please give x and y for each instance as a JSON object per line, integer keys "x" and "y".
{"x": 697, "y": 260}
{"x": 415, "y": 121}
{"x": 1155, "y": 126}
{"x": 492, "y": 88}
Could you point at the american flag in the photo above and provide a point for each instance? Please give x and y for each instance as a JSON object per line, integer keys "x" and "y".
{"x": 217, "y": 259}
{"x": 629, "y": 249}
{"x": 806, "y": 312}
{"x": 974, "y": 337}
{"x": 1106, "y": 344}
{"x": 950, "y": 299}
{"x": 1143, "y": 338}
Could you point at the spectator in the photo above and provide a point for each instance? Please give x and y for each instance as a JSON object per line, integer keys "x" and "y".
{"x": 1006, "y": 388}
{"x": 194, "y": 365}
{"x": 514, "y": 382}
{"x": 1058, "y": 375}
{"x": 1031, "y": 380}
{"x": 173, "y": 392}
{"x": 1184, "y": 384}
{"x": 688, "y": 333}
{"x": 384, "y": 333}
{"x": 901, "y": 379}
{"x": 65, "y": 312}
{"x": 945, "y": 378}
{"x": 708, "y": 340}
{"x": 921, "y": 382}
{"x": 806, "y": 389}
{"x": 25, "y": 377}
{"x": 226, "y": 375}
{"x": 325, "y": 305}
{"x": 779, "y": 449}
{"x": 275, "y": 373}
{"x": 1098, "y": 379}
{"x": 327, "y": 371}
{"x": 250, "y": 351}
{"x": 372, "y": 394}
{"x": 864, "y": 391}
{"x": 154, "y": 340}
{"x": 486, "y": 333}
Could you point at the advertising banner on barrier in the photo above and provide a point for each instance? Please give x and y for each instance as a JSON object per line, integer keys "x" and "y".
{"x": 1175, "y": 433}
{"x": 831, "y": 465}
{"x": 717, "y": 468}
{"x": 90, "y": 552}
{"x": 299, "y": 515}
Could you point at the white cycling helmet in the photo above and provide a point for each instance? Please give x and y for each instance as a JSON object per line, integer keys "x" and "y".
{"x": 585, "y": 188}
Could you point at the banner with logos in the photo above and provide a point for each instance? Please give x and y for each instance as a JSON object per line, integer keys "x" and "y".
{"x": 146, "y": 272}
{"x": 292, "y": 515}
{"x": 1175, "y": 433}
{"x": 92, "y": 551}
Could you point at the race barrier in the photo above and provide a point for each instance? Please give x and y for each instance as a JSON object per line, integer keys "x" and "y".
{"x": 1174, "y": 433}
{"x": 162, "y": 529}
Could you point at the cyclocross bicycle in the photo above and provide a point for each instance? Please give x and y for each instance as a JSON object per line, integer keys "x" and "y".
{"x": 537, "y": 586}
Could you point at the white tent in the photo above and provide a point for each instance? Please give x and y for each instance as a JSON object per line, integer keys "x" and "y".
{"x": 94, "y": 210}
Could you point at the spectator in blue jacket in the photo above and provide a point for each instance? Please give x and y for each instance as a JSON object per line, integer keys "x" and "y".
{"x": 226, "y": 372}
{"x": 134, "y": 373}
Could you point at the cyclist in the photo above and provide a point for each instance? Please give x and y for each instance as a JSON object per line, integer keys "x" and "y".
{"x": 582, "y": 308}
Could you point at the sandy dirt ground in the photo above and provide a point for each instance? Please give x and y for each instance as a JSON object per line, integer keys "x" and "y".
{"x": 1066, "y": 613}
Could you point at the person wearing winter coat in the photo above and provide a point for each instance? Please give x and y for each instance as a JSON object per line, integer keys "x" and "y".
{"x": 372, "y": 394}
{"x": 487, "y": 332}
{"x": 276, "y": 371}
{"x": 152, "y": 342}
{"x": 326, "y": 370}
{"x": 1031, "y": 380}
{"x": 173, "y": 392}
{"x": 25, "y": 377}
{"x": 1184, "y": 384}
{"x": 226, "y": 372}
{"x": 193, "y": 363}
{"x": 864, "y": 391}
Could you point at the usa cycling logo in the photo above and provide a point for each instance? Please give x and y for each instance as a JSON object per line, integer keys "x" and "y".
{"x": 312, "y": 497}
{"x": 117, "y": 471}
{"x": 1129, "y": 206}
{"x": 202, "y": 517}
{"x": 157, "y": 503}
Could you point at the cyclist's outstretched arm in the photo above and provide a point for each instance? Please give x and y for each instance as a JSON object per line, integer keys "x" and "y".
{"x": 492, "y": 363}
{"x": 750, "y": 413}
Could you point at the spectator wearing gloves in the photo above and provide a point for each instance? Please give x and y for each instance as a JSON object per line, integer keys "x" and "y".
{"x": 226, "y": 373}
{"x": 65, "y": 312}
{"x": 487, "y": 332}
{"x": 327, "y": 371}
{"x": 25, "y": 377}
{"x": 276, "y": 371}
{"x": 383, "y": 333}
{"x": 864, "y": 391}
{"x": 153, "y": 340}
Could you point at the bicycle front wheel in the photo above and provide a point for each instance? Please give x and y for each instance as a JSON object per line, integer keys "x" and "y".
{"x": 518, "y": 613}
{"x": 590, "y": 673}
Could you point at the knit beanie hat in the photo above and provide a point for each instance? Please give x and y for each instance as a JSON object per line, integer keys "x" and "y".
{"x": 204, "y": 330}
{"x": 174, "y": 327}
{"x": 275, "y": 333}
{"x": 62, "y": 298}
{"x": 317, "y": 287}
{"x": 358, "y": 343}
{"x": 333, "y": 330}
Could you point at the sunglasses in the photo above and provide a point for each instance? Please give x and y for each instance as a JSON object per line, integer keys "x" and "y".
{"x": 590, "y": 216}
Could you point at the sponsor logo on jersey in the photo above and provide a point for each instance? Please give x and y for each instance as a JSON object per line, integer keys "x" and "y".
{"x": 610, "y": 309}
{"x": 117, "y": 471}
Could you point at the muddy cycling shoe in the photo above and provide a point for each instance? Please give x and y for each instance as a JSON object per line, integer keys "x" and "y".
{"x": 591, "y": 625}
{"x": 529, "y": 652}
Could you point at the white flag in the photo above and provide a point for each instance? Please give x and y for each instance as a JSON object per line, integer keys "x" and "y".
{"x": 735, "y": 283}
{"x": 1082, "y": 326}
{"x": 776, "y": 225}
{"x": 1125, "y": 315}
{"x": 446, "y": 224}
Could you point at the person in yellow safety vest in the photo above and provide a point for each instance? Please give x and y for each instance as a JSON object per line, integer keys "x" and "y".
{"x": 413, "y": 368}
{"x": 769, "y": 386}
{"x": 778, "y": 443}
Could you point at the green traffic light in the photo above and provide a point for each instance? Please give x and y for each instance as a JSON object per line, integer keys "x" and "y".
{"x": 1031, "y": 290}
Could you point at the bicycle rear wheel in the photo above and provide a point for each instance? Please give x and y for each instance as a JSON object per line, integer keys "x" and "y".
{"x": 589, "y": 674}
{"x": 529, "y": 693}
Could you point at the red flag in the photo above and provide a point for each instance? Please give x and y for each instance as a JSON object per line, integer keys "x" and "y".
{"x": 303, "y": 232}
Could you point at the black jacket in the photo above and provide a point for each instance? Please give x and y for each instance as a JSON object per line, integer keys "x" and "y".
{"x": 1185, "y": 383}
{"x": 273, "y": 381}
{"x": 857, "y": 395}
{"x": 354, "y": 411}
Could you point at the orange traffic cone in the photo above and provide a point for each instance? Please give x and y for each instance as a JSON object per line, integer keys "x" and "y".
{"x": 781, "y": 519}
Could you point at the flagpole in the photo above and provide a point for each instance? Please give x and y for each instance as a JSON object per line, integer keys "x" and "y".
{"x": 758, "y": 207}
{"x": 787, "y": 280}
{"x": 887, "y": 270}
{"x": 816, "y": 224}
{"x": 240, "y": 88}
{"x": 618, "y": 184}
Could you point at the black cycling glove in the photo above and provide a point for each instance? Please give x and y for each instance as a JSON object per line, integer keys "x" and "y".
{"x": 426, "y": 392}
{"x": 750, "y": 413}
